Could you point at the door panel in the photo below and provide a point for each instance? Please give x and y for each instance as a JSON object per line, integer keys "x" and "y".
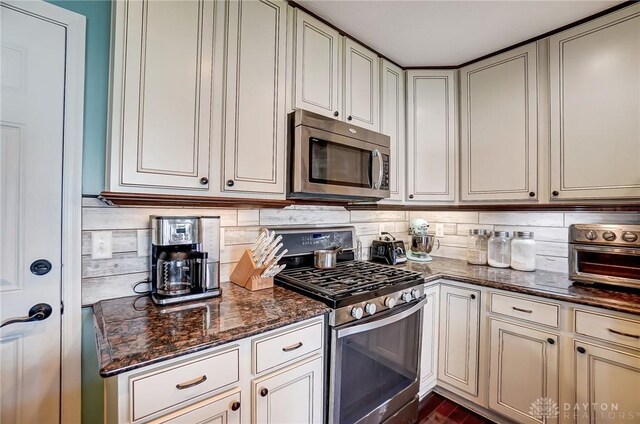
{"x": 317, "y": 66}
{"x": 33, "y": 78}
{"x": 499, "y": 138}
{"x": 254, "y": 142}
{"x": 361, "y": 86}
{"x": 392, "y": 123}
{"x": 429, "y": 356}
{"x": 217, "y": 410}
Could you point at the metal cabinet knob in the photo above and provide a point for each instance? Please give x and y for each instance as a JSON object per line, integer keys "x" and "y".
{"x": 349, "y": 118}
{"x": 580, "y": 349}
{"x": 264, "y": 392}
{"x": 235, "y": 406}
{"x": 204, "y": 180}
{"x": 473, "y": 296}
{"x": 411, "y": 196}
{"x": 230, "y": 183}
{"x": 336, "y": 113}
{"x": 532, "y": 194}
{"x": 555, "y": 193}
{"x": 551, "y": 341}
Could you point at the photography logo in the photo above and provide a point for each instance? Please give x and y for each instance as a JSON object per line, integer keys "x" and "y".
{"x": 544, "y": 408}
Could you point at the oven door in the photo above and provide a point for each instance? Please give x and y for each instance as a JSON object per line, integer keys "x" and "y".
{"x": 375, "y": 366}
{"x": 619, "y": 266}
{"x": 326, "y": 164}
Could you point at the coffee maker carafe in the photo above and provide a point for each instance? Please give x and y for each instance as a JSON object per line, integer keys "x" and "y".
{"x": 185, "y": 255}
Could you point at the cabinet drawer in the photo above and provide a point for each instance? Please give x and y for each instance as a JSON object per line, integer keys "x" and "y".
{"x": 613, "y": 329}
{"x": 525, "y": 309}
{"x": 283, "y": 347}
{"x": 160, "y": 390}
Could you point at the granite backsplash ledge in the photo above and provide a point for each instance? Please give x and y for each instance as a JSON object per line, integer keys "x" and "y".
{"x": 114, "y": 277}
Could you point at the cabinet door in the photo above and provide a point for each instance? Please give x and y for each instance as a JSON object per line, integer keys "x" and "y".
{"x": 499, "y": 137}
{"x": 429, "y": 349}
{"x": 317, "y": 67}
{"x": 361, "y": 87}
{"x": 431, "y": 141}
{"x": 595, "y": 105}
{"x": 161, "y": 105}
{"x": 514, "y": 388}
{"x": 392, "y": 123}
{"x": 293, "y": 395}
{"x": 221, "y": 409}
{"x": 254, "y": 143}
{"x": 606, "y": 378}
{"x": 459, "y": 332}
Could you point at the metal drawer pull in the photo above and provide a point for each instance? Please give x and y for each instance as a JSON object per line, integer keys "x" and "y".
{"x": 526, "y": 311}
{"x": 292, "y": 347}
{"x": 195, "y": 382}
{"x": 620, "y": 333}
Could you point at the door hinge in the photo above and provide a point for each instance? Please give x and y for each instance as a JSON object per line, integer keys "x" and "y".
{"x": 61, "y": 307}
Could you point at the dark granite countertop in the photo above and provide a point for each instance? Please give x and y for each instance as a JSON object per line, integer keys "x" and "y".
{"x": 132, "y": 332}
{"x": 551, "y": 285}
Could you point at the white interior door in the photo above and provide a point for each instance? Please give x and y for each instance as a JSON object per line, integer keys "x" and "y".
{"x": 33, "y": 81}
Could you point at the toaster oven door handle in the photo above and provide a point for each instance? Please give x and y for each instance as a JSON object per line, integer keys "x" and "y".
{"x": 375, "y": 153}
{"x": 620, "y": 333}
{"x": 372, "y": 325}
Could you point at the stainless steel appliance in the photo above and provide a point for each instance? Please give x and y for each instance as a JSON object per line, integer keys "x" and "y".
{"x": 388, "y": 250}
{"x": 605, "y": 254}
{"x": 375, "y": 327}
{"x": 334, "y": 159}
{"x": 421, "y": 242}
{"x": 185, "y": 258}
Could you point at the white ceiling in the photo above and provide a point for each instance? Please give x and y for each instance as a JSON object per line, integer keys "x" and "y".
{"x": 439, "y": 33}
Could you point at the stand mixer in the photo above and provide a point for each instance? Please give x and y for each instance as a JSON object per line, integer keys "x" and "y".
{"x": 421, "y": 242}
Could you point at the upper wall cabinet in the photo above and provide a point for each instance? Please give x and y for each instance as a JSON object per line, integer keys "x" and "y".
{"x": 595, "y": 108}
{"x": 392, "y": 123}
{"x": 162, "y": 57}
{"x": 361, "y": 86}
{"x": 431, "y": 136}
{"x": 317, "y": 66}
{"x": 498, "y": 130}
{"x": 255, "y": 115}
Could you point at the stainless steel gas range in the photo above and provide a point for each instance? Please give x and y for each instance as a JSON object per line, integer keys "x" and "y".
{"x": 375, "y": 327}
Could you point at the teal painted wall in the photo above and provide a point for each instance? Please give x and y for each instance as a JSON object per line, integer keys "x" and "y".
{"x": 96, "y": 90}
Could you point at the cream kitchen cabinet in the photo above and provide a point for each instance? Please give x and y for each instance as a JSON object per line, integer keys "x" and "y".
{"x": 392, "y": 123}
{"x": 255, "y": 115}
{"x": 459, "y": 338}
{"x": 595, "y": 105}
{"x": 431, "y": 135}
{"x": 317, "y": 67}
{"x": 498, "y": 128}
{"x": 524, "y": 364}
{"x": 221, "y": 409}
{"x": 293, "y": 395}
{"x": 161, "y": 95}
{"x": 429, "y": 348}
{"x": 361, "y": 86}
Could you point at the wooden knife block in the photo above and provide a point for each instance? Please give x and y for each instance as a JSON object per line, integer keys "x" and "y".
{"x": 246, "y": 274}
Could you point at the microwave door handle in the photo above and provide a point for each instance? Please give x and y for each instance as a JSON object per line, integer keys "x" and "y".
{"x": 376, "y": 153}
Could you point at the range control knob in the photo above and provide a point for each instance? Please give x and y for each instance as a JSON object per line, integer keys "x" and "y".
{"x": 389, "y": 302}
{"x": 370, "y": 308}
{"x": 406, "y": 297}
{"x": 609, "y": 235}
{"x": 591, "y": 235}
{"x": 415, "y": 293}
{"x": 629, "y": 237}
{"x": 357, "y": 312}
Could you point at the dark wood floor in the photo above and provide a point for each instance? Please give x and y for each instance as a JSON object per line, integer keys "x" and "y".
{"x": 435, "y": 409}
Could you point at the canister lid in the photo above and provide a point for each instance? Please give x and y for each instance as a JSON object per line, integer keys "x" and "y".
{"x": 478, "y": 232}
{"x": 523, "y": 234}
{"x": 501, "y": 233}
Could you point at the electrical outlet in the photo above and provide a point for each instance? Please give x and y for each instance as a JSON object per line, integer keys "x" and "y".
{"x": 439, "y": 230}
{"x": 101, "y": 245}
{"x": 143, "y": 243}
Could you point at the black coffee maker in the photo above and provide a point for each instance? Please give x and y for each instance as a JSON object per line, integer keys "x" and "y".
{"x": 181, "y": 268}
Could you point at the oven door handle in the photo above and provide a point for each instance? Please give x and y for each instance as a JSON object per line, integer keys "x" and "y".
{"x": 372, "y": 325}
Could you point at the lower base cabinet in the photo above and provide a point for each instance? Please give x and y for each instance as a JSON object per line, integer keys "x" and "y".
{"x": 607, "y": 385}
{"x": 293, "y": 395}
{"x": 523, "y": 371}
{"x": 221, "y": 409}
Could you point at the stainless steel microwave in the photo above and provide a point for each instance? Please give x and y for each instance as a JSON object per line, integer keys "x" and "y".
{"x": 331, "y": 159}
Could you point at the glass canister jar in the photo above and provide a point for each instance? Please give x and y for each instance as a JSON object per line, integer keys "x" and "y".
{"x": 523, "y": 251}
{"x": 499, "y": 249}
{"x": 477, "y": 247}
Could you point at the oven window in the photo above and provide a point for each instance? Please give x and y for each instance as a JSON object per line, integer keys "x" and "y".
{"x": 609, "y": 264}
{"x": 376, "y": 365}
{"x": 339, "y": 164}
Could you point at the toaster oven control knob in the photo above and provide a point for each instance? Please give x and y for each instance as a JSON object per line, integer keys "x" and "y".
{"x": 629, "y": 237}
{"x": 357, "y": 312}
{"x": 415, "y": 293}
{"x": 370, "y": 308}
{"x": 389, "y": 302}
{"x": 609, "y": 235}
{"x": 406, "y": 297}
{"x": 591, "y": 235}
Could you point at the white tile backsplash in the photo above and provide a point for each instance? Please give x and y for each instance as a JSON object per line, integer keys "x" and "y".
{"x": 540, "y": 219}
